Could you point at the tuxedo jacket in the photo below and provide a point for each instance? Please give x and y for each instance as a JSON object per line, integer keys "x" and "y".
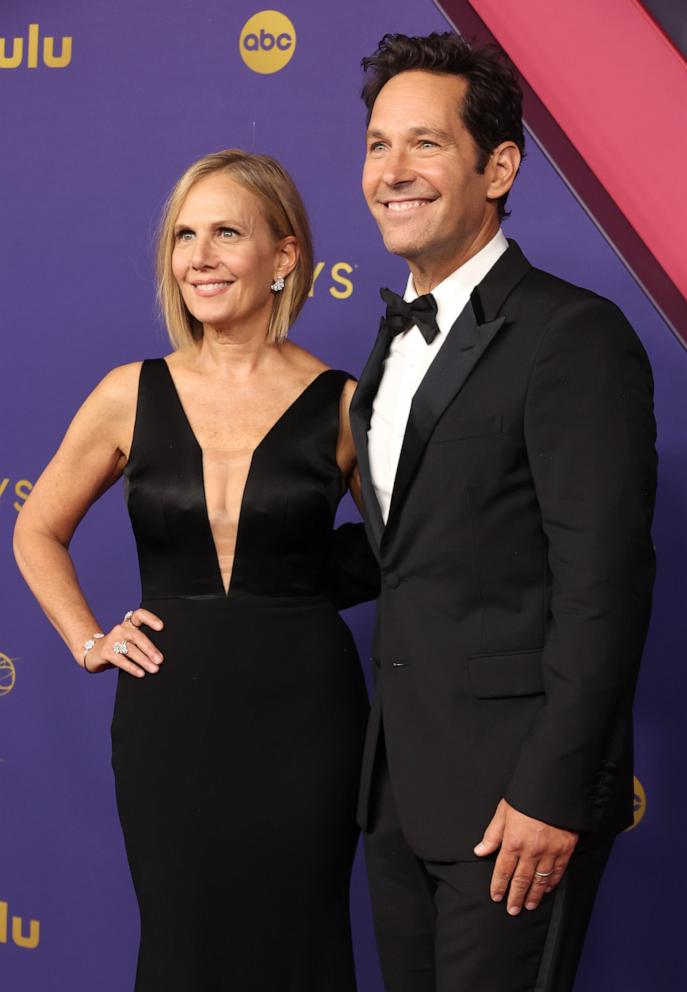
{"x": 517, "y": 566}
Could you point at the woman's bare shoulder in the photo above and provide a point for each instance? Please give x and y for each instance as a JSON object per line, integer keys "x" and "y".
{"x": 113, "y": 401}
{"x": 309, "y": 366}
{"x": 121, "y": 382}
{"x": 303, "y": 363}
{"x": 347, "y": 391}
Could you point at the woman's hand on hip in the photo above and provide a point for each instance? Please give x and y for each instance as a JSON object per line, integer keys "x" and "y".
{"x": 127, "y": 647}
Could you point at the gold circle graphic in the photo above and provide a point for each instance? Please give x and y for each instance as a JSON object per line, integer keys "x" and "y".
{"x": 639, "y": 804}
{"x": 7, "y": 674}
{"x": 267, "y": 42}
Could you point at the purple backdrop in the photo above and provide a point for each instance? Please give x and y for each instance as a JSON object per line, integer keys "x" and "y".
{"x": 89, "y": 150}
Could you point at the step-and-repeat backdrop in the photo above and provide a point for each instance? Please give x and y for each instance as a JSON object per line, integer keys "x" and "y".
{"x": 102, "y": 105}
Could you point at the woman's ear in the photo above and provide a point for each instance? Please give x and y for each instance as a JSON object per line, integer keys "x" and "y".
{"x": 287, "y": 256}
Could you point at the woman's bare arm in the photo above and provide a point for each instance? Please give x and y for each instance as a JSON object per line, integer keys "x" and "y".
{"x": 354, "y": 571}
{"x": 90, "y": 459}
{"x": 345, "y": 452}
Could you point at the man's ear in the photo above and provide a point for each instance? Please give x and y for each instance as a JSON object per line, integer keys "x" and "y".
{"x": 503, "y": 166}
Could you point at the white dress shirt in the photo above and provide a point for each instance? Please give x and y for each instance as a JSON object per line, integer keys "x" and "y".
{"x": 407, "y": 362}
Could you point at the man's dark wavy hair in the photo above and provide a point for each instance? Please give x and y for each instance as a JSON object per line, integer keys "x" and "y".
{"x": 492, "y": 108}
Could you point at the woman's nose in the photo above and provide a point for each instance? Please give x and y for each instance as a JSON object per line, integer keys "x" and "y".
{"x": 203, "y": 256}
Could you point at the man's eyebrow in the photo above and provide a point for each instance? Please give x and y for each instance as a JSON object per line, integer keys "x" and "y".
{"x": 417, "y": 132}
{"x": 435, "y": 132}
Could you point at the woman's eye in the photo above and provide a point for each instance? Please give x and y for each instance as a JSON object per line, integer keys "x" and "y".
{"x": 227, "y": 233}
{"x": 184, "y": 235}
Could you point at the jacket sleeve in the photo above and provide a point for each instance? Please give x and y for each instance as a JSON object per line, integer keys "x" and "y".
{"x": 353, "y": 575}
{"x": 590, "y": 437}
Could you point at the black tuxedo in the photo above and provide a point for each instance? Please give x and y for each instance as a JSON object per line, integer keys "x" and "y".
{"x": 517, "y": 567}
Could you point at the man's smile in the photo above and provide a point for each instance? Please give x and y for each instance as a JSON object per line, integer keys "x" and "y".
{"x": 398, "y": 206}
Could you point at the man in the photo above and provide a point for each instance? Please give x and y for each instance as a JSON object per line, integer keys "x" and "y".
{"x": 505, "y": 436}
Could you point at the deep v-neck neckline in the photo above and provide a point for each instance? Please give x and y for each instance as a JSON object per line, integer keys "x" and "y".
{"x": 194, "y": 438}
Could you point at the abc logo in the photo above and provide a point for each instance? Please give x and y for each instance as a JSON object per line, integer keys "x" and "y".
{"x": 267, "y": 42}
{"x": 639, "y": 803}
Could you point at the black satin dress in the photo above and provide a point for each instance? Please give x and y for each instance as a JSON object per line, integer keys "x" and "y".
{"x": 237, "y": 765}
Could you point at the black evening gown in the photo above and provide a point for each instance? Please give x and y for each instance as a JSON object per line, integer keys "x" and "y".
{"x": 237, "y": 765}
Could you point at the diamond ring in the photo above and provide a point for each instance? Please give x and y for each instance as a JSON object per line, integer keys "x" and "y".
{"x": 120, "y": 647}
{"x": 128, "y": 615}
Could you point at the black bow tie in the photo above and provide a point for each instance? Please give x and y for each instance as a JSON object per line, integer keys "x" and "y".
{"x": 401, "y": 315}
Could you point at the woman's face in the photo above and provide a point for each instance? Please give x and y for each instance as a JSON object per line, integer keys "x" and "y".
{"x": 225, "y": 257}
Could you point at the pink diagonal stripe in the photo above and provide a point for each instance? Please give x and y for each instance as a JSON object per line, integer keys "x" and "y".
{"x": 617, "y": 87}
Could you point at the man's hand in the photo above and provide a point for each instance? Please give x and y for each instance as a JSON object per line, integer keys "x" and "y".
{"x": 532, "y": 859}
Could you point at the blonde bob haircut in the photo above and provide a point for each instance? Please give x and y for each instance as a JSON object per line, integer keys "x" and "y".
{"x": 286, "y": 216}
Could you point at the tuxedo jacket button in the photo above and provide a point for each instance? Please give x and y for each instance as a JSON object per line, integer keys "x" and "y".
{"x": 392, "y": 580}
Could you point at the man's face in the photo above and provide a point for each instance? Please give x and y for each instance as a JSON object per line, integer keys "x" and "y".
{"x": 419, "y": 177}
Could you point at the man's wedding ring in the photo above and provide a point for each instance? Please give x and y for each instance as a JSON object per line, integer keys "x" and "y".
{"x": 543, "y": 874}
{"x": 120, "y": 647}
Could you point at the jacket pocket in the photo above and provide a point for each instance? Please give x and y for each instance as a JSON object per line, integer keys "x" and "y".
{"x": 466, "y": 427}
{"x": 514, "y": 673}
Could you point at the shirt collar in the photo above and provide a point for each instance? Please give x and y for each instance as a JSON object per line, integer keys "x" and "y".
{"x": 454, "y": 291}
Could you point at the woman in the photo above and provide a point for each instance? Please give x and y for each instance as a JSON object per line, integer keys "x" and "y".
{"x": 240, "y": 705}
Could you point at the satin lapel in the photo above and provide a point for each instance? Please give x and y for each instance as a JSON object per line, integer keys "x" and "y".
{"x": 466, "y": 343}
{"x": 360, "y": 414}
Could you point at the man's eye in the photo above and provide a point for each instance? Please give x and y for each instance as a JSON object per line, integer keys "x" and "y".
{"x": 377, "y": 146}
{"x": 428, "y": 144}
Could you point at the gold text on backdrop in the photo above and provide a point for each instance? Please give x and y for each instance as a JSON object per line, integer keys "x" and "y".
{"x": 30, "y": 47}
{"x": 17, "y": 929}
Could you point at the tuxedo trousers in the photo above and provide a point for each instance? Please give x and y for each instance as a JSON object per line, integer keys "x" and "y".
{"x": 438, "y": 930}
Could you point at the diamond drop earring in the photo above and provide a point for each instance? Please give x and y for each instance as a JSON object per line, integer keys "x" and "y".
{"x": 277, "y": 285}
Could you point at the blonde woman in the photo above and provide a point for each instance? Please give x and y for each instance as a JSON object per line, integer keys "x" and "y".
{"x": 240, "y": 707}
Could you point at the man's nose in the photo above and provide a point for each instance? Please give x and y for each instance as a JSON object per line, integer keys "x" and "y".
{"x": 397, "y": 168}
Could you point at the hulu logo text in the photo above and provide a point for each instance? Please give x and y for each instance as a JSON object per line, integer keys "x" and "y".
{"x": 29, "y": 53}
